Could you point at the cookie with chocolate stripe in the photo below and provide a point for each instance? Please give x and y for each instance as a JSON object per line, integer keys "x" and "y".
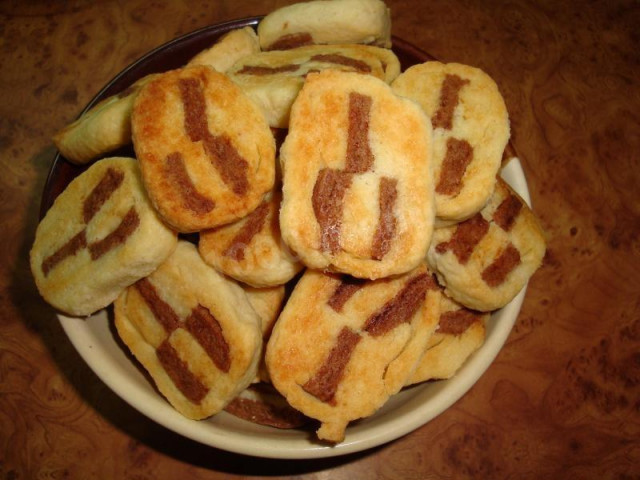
{"x": 100, "y": 235}
{"x": 483, "y": 262}
{"x": 193, "y": 330}
{"x": 273, "y": 79}
{"x": 326, "y": 22}
{"x": 230, "y": 48}
{"x": 102, "y": 129}
{"x": 206, "y": 152}
{"x": 251, "y": 250}
{"x": 459, "y": 333}
{"x": 342, "y": 346}
{"x": 470, "y": 132}
{"x": 357, "y": 177}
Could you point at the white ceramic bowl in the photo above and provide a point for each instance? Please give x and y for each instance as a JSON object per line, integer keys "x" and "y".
{"x": 94, "y": 338}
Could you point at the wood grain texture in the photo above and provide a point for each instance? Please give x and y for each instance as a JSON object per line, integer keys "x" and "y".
{"x": 562, "y": 400}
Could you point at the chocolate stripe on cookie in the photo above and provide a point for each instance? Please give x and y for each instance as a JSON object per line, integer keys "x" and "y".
{"x": 190, "y": 386}
{"x": 506, "y": 213}
{"x": 456, "y": 322}
{"x": 222, "y": 154}
{"x": 497, "y": 272}
{"x": 176, "y": 172}
{"x": 324, "y": 384}
{"x": 162, "y": 311}
{"x": 338, "y": 59}
{"x": 327, "y": 199}
{"x": 208, "y": 332}
{"x": 359, "y": 155}
{"x": 261, "y": 70}
{"x": 128, "y": 225}
{"x": 75, "y": 244}
{"x": 465, "y": 238}
{"x": 458, "y": 157}
{"x": 109, "y": 183}
{"x": 402, "y": 307}
{"x": 449, "y": 98}
{"x": 292, "y": 40}
{"x": 387, "y": 222}
{"x": 346, "y": 289}
{"x": 254, "y": 224}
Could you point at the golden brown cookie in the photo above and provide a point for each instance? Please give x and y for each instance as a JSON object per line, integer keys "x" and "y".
{"x": 326, "y": 22}
{"x": 357, "y": 177}
{"x": 230, "y": 48}
{"x": 486, "y": 260}
{"x": 100, "y": 235}
{"x": 470, "y": 132}
{"x": 194, "y": 331}
{"x": 251, "y": 250}
{"x": 342, "y": 346}
{"x": 273, "y": 79}
{"x": 206, "y": 152}
{"x": 102, "y": 129}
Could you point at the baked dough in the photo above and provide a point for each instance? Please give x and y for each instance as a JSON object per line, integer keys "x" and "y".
{"x": 251, "y": 250}
{"x": 230, "y": 48}
{"x": 193, "y": 330}
{"x": 326, "y": 21}
{"x": 486, "y": 260}
{"x": 100, "y": 235}
{"x": 357, "y": 177}
{"x": 342, "y": 346}
{"x": 470, "y": 132}
{"x": 206, "y": 152}
{"x": 274, "y": 79}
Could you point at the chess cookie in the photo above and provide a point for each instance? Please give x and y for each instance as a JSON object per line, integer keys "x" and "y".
{"x": 470, "y": 132}
{"x": 206, "y": 152}
{"x": 460, "y": 332}
{"x": 102, "y": 129}
{"x": 194, "y": 331}
{"x": 260, "y": 403}
{"x": 357, "y": 177}
{"x": 230, "y": 48}
{"x": 268, "y": 303}
{"x": 274, "y": 79}
{"x": 486, "y": 260}
{"x": 100, "y": 235}
{"x": 342, "y": 346}
{"x": 251, "y": 250}
{"x": 326, "y": 22}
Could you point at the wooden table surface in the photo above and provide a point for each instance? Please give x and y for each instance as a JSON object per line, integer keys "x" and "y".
{"x": 562, "y": 399}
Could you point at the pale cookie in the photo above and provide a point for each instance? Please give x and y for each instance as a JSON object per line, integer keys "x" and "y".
{"x": 470, "y": 132}
{"x": 460, "y": 332}
{"x": 251, "y": 250}
{"x": 230, "y": 48}
{"x": 100, "y": 235}
{"x": 194, "y": 331}
{"x": 274, "y": 79}
{"x": 206, "y": 152}
{"x": 357, "y": 177}
{"x": 342, "y": 346}
{"x": 102, "y": 129}
{"x": 326, "y": 22}
{"x": 485, "y": 261}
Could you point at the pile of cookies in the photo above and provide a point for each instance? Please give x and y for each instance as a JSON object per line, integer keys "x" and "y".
{"x": 300, "y": 214}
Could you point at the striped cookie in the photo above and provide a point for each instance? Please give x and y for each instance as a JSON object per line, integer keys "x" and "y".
{"x": 194, "y": 331}
{"x": 251, "y": 250}
{"x": 206, "y": 152}
{"x": 342, "y": 346}
{"x": 273, "y": 79}
{"x": 230, "y": 48}
{"x": 326, "y": 22}
{"x": 485, "y": 261}
{"x": 357, "y": 177}
{"x": 470, "y": 132}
